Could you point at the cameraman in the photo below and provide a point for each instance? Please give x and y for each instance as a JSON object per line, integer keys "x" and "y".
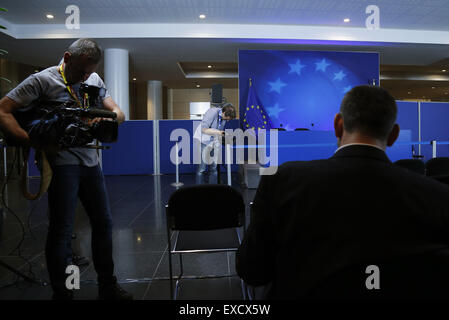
{"x": 76, "y": 171}
{"x": 212, "y": 132}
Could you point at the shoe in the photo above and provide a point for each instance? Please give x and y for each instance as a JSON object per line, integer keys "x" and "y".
{"x": 112, "y": 291}
{"x": 79, "y": 260}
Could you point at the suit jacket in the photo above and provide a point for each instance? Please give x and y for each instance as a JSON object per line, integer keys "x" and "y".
{"x": 313, "y": 218}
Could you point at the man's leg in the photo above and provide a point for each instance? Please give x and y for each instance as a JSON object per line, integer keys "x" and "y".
{"x": 62, "y": 201}
{"x": 93, "y": 196}
{"x": 201, "y": 168}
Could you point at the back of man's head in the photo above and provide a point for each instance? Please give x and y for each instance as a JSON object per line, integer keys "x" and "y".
{"x": 85, "y": 47}
{"x": 369, "y": 110}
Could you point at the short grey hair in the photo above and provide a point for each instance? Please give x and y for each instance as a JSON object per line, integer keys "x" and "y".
{"x": 86, "y": 47}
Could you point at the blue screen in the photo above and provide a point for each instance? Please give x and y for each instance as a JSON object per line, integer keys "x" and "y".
{"x": 303, "y": 89}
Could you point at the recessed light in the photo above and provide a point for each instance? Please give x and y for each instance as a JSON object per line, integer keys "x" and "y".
{"x": 445, "y": 93}
{"x": 50, "y": 16}
{"x": 202, "y": 16}
{"x": 209, "y": 66}
{"x": 197, "y": 85}
{"x": 134, "y": 79}
{"x": 347, "y": 20}
{"x": 444, "y": 70}
{"x": 409, "y": 92}
{"x": 433, "y": 87}
{"x": 36, "y": 70}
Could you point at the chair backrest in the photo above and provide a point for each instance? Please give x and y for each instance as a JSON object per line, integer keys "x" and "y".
{"x": 205, "y": 207}
{"x": 423, "y": 276}
{"x": 414, "y": 165}
{"x": 437, "y": 166}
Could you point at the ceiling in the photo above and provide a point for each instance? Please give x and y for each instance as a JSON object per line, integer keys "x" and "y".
{"x": 400, "y": 14}
{"x": 181, "y": 61}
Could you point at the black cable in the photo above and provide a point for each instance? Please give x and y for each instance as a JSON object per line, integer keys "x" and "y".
{"x": 6, "y": 206}
{"x": 17, "y": 248}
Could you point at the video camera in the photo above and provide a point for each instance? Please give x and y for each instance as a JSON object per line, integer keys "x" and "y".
{"x": 66, "y": 125}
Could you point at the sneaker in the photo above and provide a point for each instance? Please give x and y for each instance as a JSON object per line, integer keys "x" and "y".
{"x": 112, "y": 291}
{"x": 79, "y": 260}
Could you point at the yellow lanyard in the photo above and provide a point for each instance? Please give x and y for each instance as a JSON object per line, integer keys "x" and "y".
{"x": 70, "y": 89}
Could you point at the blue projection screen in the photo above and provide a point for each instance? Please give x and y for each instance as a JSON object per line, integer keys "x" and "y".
{"x": 303, "y": 89}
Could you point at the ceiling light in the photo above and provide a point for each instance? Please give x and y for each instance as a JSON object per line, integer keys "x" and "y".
{"x": 445, "y": 93}
{"x": 202, "y": 16}
{"x": 347, "y": 20}
{"x": 209, "y": 66}
{"x": 50, "y": 16}
{"x": 36, "y": 70}
{"x": 409, "y": 92}
{"x": 444, "y": 70}
{"x": 433, "y": 87}
{"x": 197, "y": 85}
{"x": 134, "y": 79}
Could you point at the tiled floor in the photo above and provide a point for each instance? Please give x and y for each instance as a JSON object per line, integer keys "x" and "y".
{"x": 140, "y": 244}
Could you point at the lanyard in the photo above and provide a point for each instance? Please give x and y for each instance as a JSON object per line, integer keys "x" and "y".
{"x": 70, "y": 89}
{"x": 219, "y": 120}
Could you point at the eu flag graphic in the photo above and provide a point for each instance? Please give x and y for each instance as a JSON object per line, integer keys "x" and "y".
{"x": 255, "y": 117}
{"x": 301, "y": 89}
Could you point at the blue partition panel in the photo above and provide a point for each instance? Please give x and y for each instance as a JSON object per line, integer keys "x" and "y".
{"x": 165, "y": 129}
{"x": 305, "y": 145}
{"x": 408, "y": 117}
{"x": 133, "y": 152}
{"x": 401, "y": 149}
{"x": 289, "y": 152}
{"x": 434, "y": 126}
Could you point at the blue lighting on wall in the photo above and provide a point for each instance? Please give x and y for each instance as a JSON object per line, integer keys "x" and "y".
{"x": 303, "y": 89}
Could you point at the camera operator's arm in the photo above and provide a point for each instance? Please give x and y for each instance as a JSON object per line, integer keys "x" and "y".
{"x": 109, "y": 104}
{"x": 9, "y": 124}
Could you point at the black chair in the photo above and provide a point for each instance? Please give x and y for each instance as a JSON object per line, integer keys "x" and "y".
{"x": 414, "y": 165}
{"x": 302, "y": 129}
{"x": 423, "y": 276}
{"x": 205, "y": 219}
{"x": 437, "y": 166}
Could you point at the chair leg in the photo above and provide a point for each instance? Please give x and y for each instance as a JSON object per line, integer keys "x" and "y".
{"x": 171, "y": 274}
{"x": 179, "y": 277}
{"x": 244, "y": 290}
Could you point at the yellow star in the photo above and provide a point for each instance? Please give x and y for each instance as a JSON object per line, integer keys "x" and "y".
{"x": 258, "y": 108}
{"x": 247, "y": 125}
{"x": 244, "y": 120}
{"x": 252, "y": 107}
{"x": 247, "y": 109}
{"x": 265, "y": 122}
{"x": 264, "y": 117}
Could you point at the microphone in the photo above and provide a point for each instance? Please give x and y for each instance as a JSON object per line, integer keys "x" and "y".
{"x": 100, "y": 113}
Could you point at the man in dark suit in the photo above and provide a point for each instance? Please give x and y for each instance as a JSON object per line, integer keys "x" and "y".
{"x": 314, "y": 218}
